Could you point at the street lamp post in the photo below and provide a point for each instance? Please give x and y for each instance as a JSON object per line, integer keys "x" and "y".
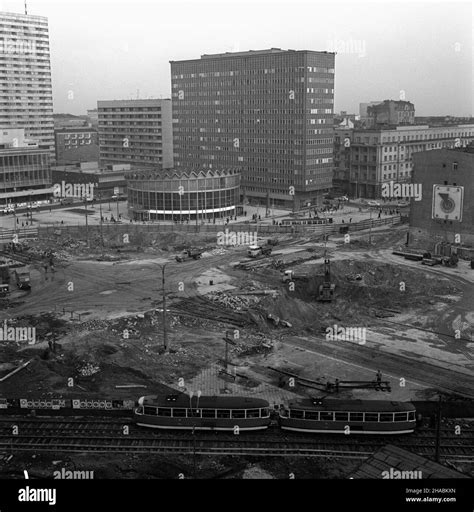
{"x": 370, "y": 228}
{"x": 87, "y": 221}
{"x": 101, "y": 230}
{"x": 165, "y": 340}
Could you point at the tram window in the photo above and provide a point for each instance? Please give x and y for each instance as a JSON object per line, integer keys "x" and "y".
{"x": 253, "y": 413}
{"x": 265, "y": 413}
{"x": 386, "y": 417}
{"x": 311, "y": 415}
{"x": 223, "y": 413}
{"x": 238, "y": 414}
{"x": 297, "y": 414}
{"x": 326, "y": 416}
{"x": 371, "y": 416}
{"x": 400, "y": 416}
{"x": 411, "y": 415}
{"x": 179, "y": 413}
{"x": 357, "y": 416}
{"x": 208, "y": 413}
{"x": 194, "y": 413}
{"x": 164, "y": 412}
{"x": 342, "y": 416}
{"x": 150, "y": 411}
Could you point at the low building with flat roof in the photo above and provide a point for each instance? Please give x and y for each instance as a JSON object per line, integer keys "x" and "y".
{"x": 25, "y": 170}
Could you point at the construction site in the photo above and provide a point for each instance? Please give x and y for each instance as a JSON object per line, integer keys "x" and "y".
{"x": 136, "y": 310}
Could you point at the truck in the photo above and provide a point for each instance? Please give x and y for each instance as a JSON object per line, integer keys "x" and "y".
{"x": 254, "y": 251}
{"x": 193, "y": 253}
{"x": 430, "y": 260}
{"x": 4, "y": 280}
{"x": 22, "y": 278}
{"x": 291, "y": 275}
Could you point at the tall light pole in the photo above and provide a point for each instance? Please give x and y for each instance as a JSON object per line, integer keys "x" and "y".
{"x": 101, "y": 231}
{"x": 87, "y": 221}
{"x": 370, "y": 227}
{"x": 165, "y": 340}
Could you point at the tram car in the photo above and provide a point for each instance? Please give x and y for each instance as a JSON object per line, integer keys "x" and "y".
{"x": 335, "y": 416}
{"x": 202, "y": 413}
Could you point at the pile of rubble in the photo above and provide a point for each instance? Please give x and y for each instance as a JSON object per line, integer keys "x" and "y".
{"x": 252, "y": 345}
{"x": 38, "y": 254}
{"x": 237, "y": 303}
{"x": 88, "y": 370}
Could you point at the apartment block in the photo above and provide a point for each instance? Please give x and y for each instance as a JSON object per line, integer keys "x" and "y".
{"x": 136, "y": 132}
{"x": 26, "y": 99}
{"x": 366, "y": 159}
{"x": 390, "y": 112}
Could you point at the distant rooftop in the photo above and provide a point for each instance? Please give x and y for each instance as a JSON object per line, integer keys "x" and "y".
{"x": 136, "y": 102}
{"x": 412, "y": 127}
{"x": 253, "y": 53}
{"x": 21, "y": 15}
{"x": 393, "y": 462}
{"x": 248, "y": 52}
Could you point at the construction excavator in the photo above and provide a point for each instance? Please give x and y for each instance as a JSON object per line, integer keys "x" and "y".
{"x": 326, "y": 290}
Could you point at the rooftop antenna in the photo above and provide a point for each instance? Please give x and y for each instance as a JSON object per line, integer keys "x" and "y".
{"x": 26, "y": 8}
{"x": 138, "y": 94}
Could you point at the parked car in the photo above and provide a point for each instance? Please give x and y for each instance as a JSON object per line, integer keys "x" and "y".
{"x": 373, "y": 203}
{"x": 402, "y": 204}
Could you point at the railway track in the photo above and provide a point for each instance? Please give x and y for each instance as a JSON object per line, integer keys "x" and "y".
{"x": 105, "y": 436}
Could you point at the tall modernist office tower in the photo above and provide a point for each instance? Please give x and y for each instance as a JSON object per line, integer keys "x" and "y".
{"x": 266, "y": 113}
{"x": 26, "y": 98}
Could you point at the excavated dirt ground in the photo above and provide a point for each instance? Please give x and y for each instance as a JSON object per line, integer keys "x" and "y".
{"x": 119, "y": 332}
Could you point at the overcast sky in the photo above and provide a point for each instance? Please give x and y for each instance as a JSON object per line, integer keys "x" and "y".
{"x": 112, "y": 49}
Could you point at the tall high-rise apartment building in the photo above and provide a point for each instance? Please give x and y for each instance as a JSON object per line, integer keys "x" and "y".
{"x": 26, "y": 99}
{"x": 268, "y": 114}
{"x": 136, "y": 132}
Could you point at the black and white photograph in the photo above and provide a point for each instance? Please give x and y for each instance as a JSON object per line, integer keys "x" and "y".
{"x": 236, "y": 243}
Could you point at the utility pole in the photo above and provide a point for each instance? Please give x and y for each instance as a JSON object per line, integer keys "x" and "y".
{"x": 87, "y": 221}
{"x": 117, "y": 207}
{"x": 101, "y": 231}
{"x": 165, "y": 341}
{"x": 229, "y": 338}
{"x": 370, "y": 228}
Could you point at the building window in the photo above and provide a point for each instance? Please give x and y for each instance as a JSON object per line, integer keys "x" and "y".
{"x": 455, "y": 166}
